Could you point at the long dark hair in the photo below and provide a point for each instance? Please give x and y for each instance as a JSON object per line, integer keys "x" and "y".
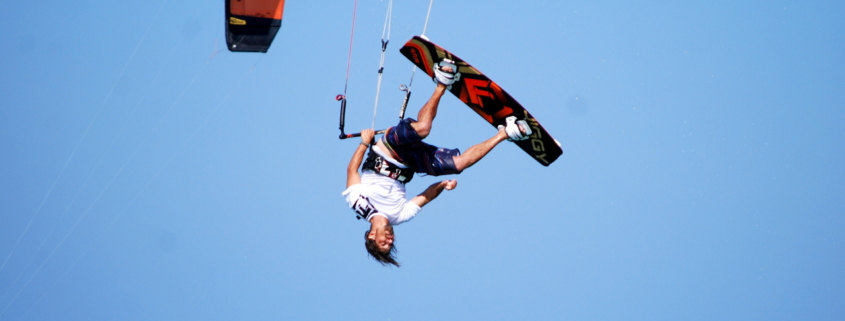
{"x": 384, "y": 258}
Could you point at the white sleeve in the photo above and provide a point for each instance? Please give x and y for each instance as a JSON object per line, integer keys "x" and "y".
{"x": 352, "y": 193}
{"x": 408, "y": 212}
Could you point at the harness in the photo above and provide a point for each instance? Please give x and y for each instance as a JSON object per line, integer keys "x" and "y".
{"x": 380, "y": 165}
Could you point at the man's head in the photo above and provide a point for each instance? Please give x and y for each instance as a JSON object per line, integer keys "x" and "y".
{"x": 379, "y": 243}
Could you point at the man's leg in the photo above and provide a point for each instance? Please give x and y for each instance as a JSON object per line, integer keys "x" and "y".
{"x": 473, "y": 154}
{"x": 428, "y": 111}
{"x": 445, "y": 74}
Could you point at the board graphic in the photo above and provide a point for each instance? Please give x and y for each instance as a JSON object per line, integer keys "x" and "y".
{"x": 485, "y": 97}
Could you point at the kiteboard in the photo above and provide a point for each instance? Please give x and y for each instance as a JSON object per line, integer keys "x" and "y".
{"x": 485, "y": 97}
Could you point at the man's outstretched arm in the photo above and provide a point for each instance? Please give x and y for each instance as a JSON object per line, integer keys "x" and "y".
{"x": 352, "y": 175}
{"x": 433, "y": 191}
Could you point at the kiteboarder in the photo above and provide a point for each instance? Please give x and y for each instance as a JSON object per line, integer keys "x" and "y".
{"x": 377, "y": 194}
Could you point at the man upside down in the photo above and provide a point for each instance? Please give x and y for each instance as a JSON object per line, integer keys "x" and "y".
{"x": 377, "y": 194}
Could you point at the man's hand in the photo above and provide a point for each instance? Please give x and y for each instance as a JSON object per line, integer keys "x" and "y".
{"x": 367, "y": 136}
{"x": 433, "y": 191}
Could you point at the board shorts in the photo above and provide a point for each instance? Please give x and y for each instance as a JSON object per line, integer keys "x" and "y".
{"x": 403, "y": 140}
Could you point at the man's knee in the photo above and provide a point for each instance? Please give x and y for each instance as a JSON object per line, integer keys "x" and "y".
{"x": 422, "y": 129}
{"x": 460, "y": 163}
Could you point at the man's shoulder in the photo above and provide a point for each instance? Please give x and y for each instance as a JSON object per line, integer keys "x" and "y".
{"x": 352, "y": 190}
{"x": 353, "y": 187}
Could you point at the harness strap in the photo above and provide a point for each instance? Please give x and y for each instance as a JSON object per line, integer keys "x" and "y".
{"x": 381, "y": 166}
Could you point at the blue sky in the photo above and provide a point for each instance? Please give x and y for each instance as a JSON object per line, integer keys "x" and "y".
{"x": 148, "y": 173}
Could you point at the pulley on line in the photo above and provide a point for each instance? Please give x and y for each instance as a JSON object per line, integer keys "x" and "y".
{"x": 384, "y": 41}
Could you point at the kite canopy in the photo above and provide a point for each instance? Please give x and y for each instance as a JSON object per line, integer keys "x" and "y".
{"x": 251, "y": 25}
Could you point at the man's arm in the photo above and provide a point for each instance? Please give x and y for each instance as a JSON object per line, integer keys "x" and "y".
{"x": 352, "y": 176}
{"x": 433, "y": 191}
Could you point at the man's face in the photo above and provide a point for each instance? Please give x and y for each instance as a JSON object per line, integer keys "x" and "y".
{"x": 383, "y": 238}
